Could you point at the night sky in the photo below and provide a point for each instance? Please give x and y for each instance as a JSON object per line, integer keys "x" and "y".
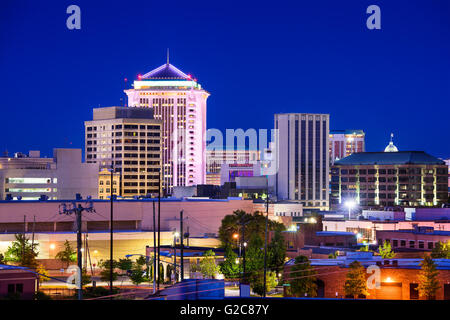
{"x": 255, "y": 58}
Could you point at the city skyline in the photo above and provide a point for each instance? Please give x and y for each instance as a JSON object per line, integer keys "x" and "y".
{"x": 357, "y": 69}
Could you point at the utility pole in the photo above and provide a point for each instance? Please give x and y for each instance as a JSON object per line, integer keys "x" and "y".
{"x": 155, "y": 270}
{"x": 79, "y": 253}
{"x": 182, "y": 246}
{"x": 159, "y": 221}
{"x": 111, "y": 265}
{"x": 175, "y": 257}
{"x": 24, "y": 231}
{"x": 265, "y": 240}
{"x": 32, "y": 237}
{"x": 77, "y": 209}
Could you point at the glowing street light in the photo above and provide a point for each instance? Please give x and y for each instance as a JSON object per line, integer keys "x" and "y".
{"x": 52, "y": 246}
{"x": 350, "y": 204}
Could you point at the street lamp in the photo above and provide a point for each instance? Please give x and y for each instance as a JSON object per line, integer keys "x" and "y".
{"x": 175, "y": 236}
{"x": 350, "y": 204}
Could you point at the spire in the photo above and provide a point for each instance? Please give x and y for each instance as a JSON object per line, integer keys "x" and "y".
{"x": 167, "y": 56}
{"x": 391, "y": 147}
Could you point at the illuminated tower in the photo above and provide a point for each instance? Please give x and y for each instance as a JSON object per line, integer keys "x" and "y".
{"x": 180, "y": 102}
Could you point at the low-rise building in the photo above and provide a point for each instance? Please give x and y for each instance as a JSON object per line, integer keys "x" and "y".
{"x": 421, "y": 238}
{"x": 60, "y": 177}
{"x": 398, "y": 278}
{"x": 18, "y": 283}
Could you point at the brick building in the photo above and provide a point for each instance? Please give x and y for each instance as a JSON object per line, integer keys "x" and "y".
{"x": 419, "y": 238}
{"x": 398, "y": 277}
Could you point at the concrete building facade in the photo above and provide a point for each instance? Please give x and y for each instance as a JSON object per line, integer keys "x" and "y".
{"x": 60, "y": 177}
{"x": 130, "y": 141}
{"x": 302, "y": 157}
{"x": 387, "y": 179}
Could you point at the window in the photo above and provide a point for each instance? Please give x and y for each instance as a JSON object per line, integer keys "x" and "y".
{"x": 411, "y": 244}
{"x": 413, "y": 291}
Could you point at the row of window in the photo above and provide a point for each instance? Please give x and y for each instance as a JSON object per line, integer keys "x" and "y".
{"x": 127, "y": 126}
{"x": 396, "y": 243}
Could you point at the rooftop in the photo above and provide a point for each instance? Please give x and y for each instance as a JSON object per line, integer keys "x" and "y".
{"x": 349, "y": 131}
{"x": 334, "y": 233}
{"x": 166, "y": 71}
{"x": 389, "y": 158}
{"x": 368, "y": 259}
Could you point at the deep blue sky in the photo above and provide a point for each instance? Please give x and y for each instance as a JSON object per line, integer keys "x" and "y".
{"x": 255, "y": 58}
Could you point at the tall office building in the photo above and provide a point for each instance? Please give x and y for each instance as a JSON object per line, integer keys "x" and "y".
{"x": 179, "y": 102}
{"x": 345, "y": 142}
{"x": 302, "y": 158}
{"x": 130, "y": 140}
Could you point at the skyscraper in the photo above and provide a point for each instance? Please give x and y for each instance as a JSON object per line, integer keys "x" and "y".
{"x": 345, "y": 142}
{"x": 302, "y": 158}
{"x": 179, "y": 102}
{"x": 129, "y": 139}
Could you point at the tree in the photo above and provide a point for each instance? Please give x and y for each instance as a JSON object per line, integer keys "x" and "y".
{"x": 67, "y": 255}
{"x": 22, "y": 252}
{"x": 85, "y": 277}
{"x": 441, "y": 250}
{"x": 255, "y": 224}
{"x": 105, "y": 265}
{"x": 385, "y": 251}
{"x": 229, "y": 267}
{"x": 125, "y": 264}
{"x": 208, "y": 265}
{"x": 43, "y": 273}
{"x": 257, "y": 281}
{"x": 276, "y": 252}
{"x": 333, "y": 255}
{"x": 356, "y": 283}
{"x": 254, "y": 256}
{"x": 428, "y": 279}
{"x": 2, "y": 259}
{"x": 301, "y": 278}
{"x": 137, "y": 274}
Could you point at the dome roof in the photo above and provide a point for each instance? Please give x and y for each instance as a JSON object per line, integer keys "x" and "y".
{"x": 391, "y": 147}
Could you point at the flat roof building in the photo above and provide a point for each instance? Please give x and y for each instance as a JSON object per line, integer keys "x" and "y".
{"x": 129, "y": 139}
{"x": 60, "y": 177}
{"x": 302, "y": 158}
{"x": 390, "y": 178}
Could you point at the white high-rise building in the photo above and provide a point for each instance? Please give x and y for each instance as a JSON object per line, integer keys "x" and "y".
{"x": 180, "y": 102}
{"x": 302, "y": 158}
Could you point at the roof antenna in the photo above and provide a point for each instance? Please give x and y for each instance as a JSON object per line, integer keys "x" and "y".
{"x": 167, "y": 56}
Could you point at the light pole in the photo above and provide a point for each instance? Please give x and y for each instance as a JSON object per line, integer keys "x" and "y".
{"x": 350, "y": 204}
{"x": 175, "y": 236}
{"x": 236, "y": 237}
{"x": 265, "y": 241}
{"x": 111, "y": 232}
